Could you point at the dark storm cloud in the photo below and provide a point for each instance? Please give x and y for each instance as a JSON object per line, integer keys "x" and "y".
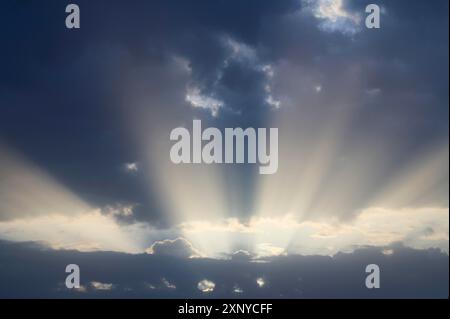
{"x": 28, "y": 270}
{"x": 58, "y": 87}
{"x": 60, "y": 90}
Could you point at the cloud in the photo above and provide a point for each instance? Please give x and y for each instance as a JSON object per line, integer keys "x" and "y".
{"x": 425, "y": 227}
{"x": 334, "y": 16}
{"x": 241, "y": 255}
{"x": 168, "y": 284}
{"x": 150, "y": 276}
{"x": 376, "y": 227}
{"x": 384, "y": 101}
{"x": 90, "y": 231}
{"x": 234, "y": 82}
{"x": 119, "y": 210}
{"x": 260, "y": 282}
{"x": 238, "y": 290}
{"x": 272, "y": 102}
{"x": 196, "y": 99}
{"x": 206, "y": 286}
{"x": 178, "y": 247}
{"x": 131, "y": 167}
{"x": 239, "y": 51}
{"x": 101, "y": 286}
{"x": 260, "y": 236}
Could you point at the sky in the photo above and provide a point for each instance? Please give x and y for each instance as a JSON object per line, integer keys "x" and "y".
{"x": 86, "y": 176}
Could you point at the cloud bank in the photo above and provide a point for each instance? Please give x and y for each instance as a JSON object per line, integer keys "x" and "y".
{"x": 405, "y": 273}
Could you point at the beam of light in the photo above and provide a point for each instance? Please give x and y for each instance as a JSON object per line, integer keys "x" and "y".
{"x": 26, "y": 190}
{"x": 306, "y": 159}
{"x": 185, "y": 192}
{"x": 326, "y": 179}
{"x": 215, "y": 238}
{"x": 323, "y": 183}
{"x": 188, "y": 192}
{"x": 35, "y": 207}
{"x": 419, "y": 180}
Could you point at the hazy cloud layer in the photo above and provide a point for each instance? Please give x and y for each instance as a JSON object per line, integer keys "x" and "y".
{"x": 419, "y": 228}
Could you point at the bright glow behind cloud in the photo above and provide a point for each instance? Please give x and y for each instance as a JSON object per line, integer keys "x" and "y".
{"x": 415, "y": 227}
{"x": 85, "y": 232}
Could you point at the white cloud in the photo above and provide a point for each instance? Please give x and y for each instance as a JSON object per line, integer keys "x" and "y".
{"x": 269, "y": 73}
{"x": 85, "y": 232}
{"x": 333, "y": 16}
{"x": 198, "y": 100}
{"x": 238, "y": 290}
{"x": 119, "y": 210}
{"x": 260, "y": 282}
{"x": 131, "y": 167}
{"x": 241, "y": 53}
{"x": 178, "y": 247}
{"x": 168, "y": 284}
{"x": 101, "y": 286}
{"x": 272, "y": 102}
{"x": 206, "y": 285}
{"x": 268, "y": 70}
{"x": 149, "y": 286}
{"x": 419, "y": 228}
